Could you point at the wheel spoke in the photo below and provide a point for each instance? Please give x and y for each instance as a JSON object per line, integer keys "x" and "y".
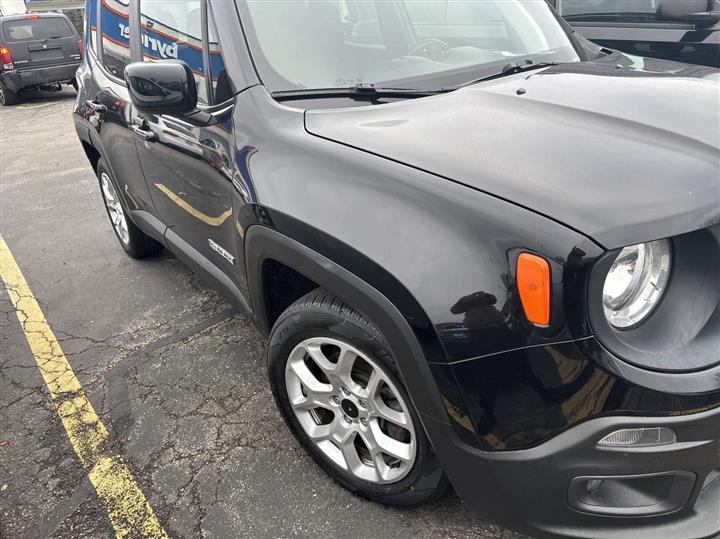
{"x": 380, "y": 464}
{"x": 346, "y": 360}
{"x": 349, "y": 451}
{"x": 368, "y": 437}
{"x": 108, "y": 190}
{"x": 308, "y": 379}
{"x": 383, "y": 411}
{"x": 373, "y": 385}
{"x": 318, "y": 356}
{"x": 376, "y": 454}
{"x": 319, "y": 432}
{"x": 338, "y": 373}
{"x": 108, "y": 196}
{"x": 391, "y": 446}
{"x": 311, "y": 400}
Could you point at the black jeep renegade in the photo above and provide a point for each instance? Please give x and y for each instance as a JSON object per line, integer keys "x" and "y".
{"x": 485, "y": 250}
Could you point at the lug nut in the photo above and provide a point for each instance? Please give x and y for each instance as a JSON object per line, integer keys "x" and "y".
{"x": 346, "y": 390}
{"x": 336, "y": 399}
{"x": 363, "y": 421}
{"x": 362, "y": 403}
{"x": 347, "y": 419}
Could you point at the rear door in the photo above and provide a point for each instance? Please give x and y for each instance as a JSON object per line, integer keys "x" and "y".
{"x": 37, "y": 41}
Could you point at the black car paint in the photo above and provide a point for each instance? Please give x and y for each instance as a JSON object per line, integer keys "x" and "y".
{"x": 28, "y": 73}
{"x": 669, "y": 40}
{"x": 563, "y": 103}
{"x": 427, "y": 249}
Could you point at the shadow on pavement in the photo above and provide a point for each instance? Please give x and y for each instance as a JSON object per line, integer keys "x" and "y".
{"x": 43, "y": 97}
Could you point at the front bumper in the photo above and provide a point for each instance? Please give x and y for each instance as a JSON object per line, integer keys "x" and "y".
{"x": 17, "y": 79}
{"x": 536, "y": 490}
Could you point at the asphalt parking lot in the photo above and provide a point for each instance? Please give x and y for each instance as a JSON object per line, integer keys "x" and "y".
{"x": 174, "y": 373}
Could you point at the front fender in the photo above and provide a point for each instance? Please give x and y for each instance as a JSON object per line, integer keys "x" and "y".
{"x": 263, "y": 243}
{"x": 442, "y": 252}
{"x": 440, "y": 255}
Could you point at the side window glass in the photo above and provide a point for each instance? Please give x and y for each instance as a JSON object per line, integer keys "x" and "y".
{"x": 618, "y": 11}
{"x": 115, "y": 35}
{"x": 360, "y": 21}
{"x": 221, "y": 86}
{"x": 173, "y": 30}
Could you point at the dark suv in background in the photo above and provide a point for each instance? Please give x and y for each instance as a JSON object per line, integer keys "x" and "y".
{"x": 680, "y": 30}
{"x": 37, "y": 51}
{"x": 485, "y": 250}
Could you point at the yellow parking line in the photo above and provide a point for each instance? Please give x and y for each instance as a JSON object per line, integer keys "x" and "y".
{"x": 129, "y": 512}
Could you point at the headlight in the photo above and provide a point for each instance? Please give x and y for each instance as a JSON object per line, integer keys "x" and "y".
{"x": 636, "y": 282}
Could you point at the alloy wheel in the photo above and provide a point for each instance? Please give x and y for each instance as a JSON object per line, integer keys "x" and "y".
{"x": 115, "y": 209}
{"x": 351, "y": 409}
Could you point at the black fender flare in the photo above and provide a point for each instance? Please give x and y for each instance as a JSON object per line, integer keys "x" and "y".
{"x": 263, "y": 243}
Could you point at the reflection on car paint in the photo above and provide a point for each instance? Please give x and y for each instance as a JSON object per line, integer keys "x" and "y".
{"x": 182, "y": 203}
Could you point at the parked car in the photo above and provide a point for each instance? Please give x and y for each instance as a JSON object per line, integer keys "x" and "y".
{"x": 489, "y": 262}
{"x": 680, "y": 30}
{"x": 37, "y": 51}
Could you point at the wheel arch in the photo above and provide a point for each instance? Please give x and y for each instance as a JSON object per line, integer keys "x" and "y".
{"x": 92, "y": 154}
{"x": 263, "y": 244}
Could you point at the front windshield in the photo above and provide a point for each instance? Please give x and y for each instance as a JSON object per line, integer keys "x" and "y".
{"x": 308, "y": 44}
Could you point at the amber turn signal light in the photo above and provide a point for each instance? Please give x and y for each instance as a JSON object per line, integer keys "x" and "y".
{"x": 533, "y": 282}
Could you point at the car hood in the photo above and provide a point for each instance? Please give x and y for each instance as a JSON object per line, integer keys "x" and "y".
{"x": 623, "y": 150}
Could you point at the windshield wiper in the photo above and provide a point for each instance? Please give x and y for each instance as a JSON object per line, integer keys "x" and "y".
{"x": 369, "y": 92}
{"x": 508, "y": 69}
{"x": 359, "y": 92}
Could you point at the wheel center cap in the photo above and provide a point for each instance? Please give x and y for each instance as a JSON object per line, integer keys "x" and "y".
{"x": 349, "y": 408}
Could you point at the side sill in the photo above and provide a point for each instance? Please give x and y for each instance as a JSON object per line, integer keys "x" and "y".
{"x": 203, "y": 267}
{"x": 191, "y": 257}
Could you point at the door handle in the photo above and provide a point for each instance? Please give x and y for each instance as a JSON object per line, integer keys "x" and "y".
{"x": 143, "y": 133}
{"x": 95, "y": 106}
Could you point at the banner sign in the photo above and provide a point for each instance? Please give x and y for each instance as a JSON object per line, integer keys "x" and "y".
{"x": 159, "y": 42}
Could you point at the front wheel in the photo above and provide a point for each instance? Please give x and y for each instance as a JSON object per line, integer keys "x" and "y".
{"x": 340, "y": 392}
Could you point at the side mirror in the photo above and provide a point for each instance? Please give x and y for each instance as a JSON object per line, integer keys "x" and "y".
{"x": 163, "y": 87}
{"x": 698, "y": 12}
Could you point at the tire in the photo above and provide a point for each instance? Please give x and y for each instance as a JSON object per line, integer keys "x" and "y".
{"x": 319, "y": 317}
{"x": 134, "y": 241}
{"x": 7, "y": 96}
